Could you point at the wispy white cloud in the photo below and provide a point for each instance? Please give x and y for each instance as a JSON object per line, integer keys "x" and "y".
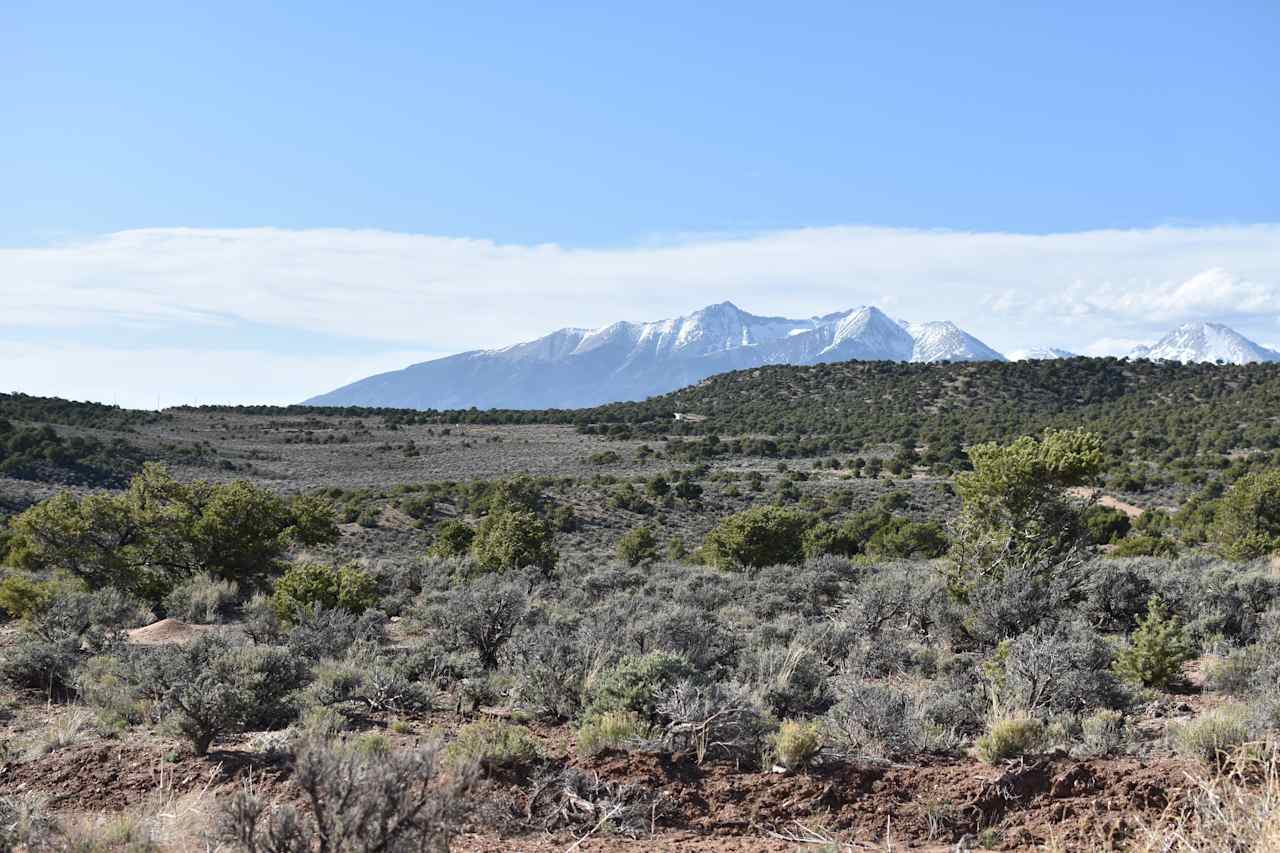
{"x": 1212, "y": 292}
{"x": 417, "y": 293}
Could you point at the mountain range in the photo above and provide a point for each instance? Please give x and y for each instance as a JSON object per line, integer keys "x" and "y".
{"x": 1204, "y": 341}
{"x": 574, "y": 368}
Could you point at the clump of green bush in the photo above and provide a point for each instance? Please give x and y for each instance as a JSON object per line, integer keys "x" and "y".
{"x": 1010, "y": 738}
{"x": 609, "y": 730}
{"x": 638, "y": 546}
{"x": 758, "y": 537}
{"x": 514, "y": 539}
{"x": 1246, "y": 524}
{"x": 23, "y": 595}
{"x": 493, "y": 745}
{"x": 1144, "y": 545}
{"x": 796, "y": 744}
{"x": 309, "y": 586}
{"x": 450, "y": 538}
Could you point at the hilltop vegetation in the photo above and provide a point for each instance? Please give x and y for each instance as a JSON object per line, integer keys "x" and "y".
{"x": 1149, "y": 411}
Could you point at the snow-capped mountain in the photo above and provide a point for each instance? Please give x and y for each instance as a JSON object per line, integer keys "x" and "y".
{"x": 570, "y": 368}
{"x": 1203, "y": 341}
{"x": 1039, "y": 354}
{"x": 945, "y": 341}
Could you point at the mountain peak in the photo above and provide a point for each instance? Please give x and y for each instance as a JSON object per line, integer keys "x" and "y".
{"x": 724, "y": 309}
{"x": 943, "y": 340}
{"x": 1205, "y": 341}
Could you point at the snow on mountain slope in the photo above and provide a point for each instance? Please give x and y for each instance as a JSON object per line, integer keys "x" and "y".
{"x": 869, "y": 334}
{"x": 945, "y": 341}
{"x": 1039, "y": 354}
{"x": 628, "y": 360}
{"x": 1204, "y": 341}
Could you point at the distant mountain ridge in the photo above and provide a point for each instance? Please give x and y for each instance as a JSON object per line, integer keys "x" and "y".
{"x": 579, "y": 368}
{"x": 572, "y": 368}
{"x": 1205, "y": 341}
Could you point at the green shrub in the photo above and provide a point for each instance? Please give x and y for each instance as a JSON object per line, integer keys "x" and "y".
{"x": 900, "y": 538}
{"x": 758, "y": 537}
{"x": 311, "y": 585}
{"x": 1017, "y": 523}
{"x": 1144, "y": 545}
{"x": 514, "y": 539}
{"x": 609, "y": 730}
{"x": 1010, "y": 738}
{"x": 417, "y": 507}
{"x": 1246, "y": 522}
{"x": 160, "y": 531}
{"x": 635, "y": 683}
{"x": 372, "y": 744}
{"x": 638, "y": 546}
{"x": 520, "y": 493}
{"x": 23, "y": 595}
{"x": 450, "y": 539}
{"x": 1212, "y": 737}
{"x": 1157, "y": 651}
{"x": 493, "y": 745}
{"x": 1105, "y": 524}
{"x": 796, "y": 744}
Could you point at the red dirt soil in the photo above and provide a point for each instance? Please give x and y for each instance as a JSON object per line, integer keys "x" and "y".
{"x": 1083, "y": 805}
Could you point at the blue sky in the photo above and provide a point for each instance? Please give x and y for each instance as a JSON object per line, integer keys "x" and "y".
{"x": 606, "y": 128}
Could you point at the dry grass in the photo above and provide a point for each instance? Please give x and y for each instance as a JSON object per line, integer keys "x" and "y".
{"x": 1237, "y": 810}
{"x": 67, "y": 728}
{"x": 166, "y": 821}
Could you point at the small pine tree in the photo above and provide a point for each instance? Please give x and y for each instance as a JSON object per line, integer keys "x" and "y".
{"x": 1158, "y": 651}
